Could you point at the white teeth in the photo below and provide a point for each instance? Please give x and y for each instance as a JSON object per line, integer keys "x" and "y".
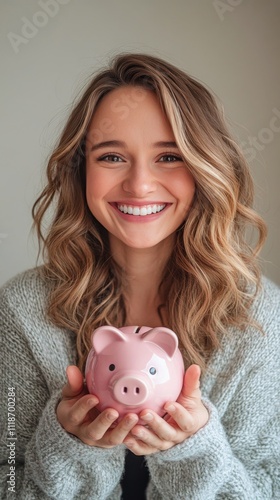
{"x": 144, "y": 210}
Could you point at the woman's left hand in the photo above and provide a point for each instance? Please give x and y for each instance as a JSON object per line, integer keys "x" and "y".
{"x": 184, "y": 418}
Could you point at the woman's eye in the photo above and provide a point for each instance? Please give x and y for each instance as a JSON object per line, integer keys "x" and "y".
{"x": 111, "y": 158}
{"x": 170, "y": 158}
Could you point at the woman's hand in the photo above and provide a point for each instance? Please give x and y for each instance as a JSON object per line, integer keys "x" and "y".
{"x": 77, "y": 414}
{"x": 184, "y": 418}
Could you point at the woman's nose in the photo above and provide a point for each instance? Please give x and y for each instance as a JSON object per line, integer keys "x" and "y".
{"x": 139, "y": 181}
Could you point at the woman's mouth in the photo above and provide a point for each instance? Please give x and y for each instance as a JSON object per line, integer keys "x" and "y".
{"x": 140, "y": 210}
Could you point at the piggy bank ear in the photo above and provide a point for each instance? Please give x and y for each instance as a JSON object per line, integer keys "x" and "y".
{"x": 105, "y": 335}
{"x": 164, "y": 338}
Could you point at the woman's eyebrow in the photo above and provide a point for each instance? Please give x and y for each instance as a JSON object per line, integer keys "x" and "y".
{"x": 105, "y": 144}
{"x": 165, "y": 144}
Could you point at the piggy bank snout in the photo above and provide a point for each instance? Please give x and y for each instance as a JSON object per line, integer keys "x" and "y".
{"x": 131, "y": 390}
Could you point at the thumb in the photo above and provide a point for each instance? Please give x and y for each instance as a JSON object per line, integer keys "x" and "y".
{"x": 75, "y": 382}
{"x": 191, "y": 383}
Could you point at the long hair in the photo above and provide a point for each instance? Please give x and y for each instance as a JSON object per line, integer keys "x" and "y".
{"x": 212, "y": 275}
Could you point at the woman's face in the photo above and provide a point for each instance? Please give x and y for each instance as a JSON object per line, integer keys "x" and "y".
{"x": 137, "y": 185}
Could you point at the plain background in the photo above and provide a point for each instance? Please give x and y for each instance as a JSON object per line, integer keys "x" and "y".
{"x": 50, "y": 47}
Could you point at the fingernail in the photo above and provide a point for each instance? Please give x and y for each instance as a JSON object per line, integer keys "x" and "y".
{"x": 91, "y": 402}
{"x": 170, "y": 408}
{"x": 131, "y": 420}
{"x": 147, "y": 416}
{"x": 111, "y": 416}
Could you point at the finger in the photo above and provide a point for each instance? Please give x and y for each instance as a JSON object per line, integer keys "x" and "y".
{"x": 96, "y": 430}
{"x": 75, "y": 382}
{"x": 157, "y": 425}
{"x": 131, "y": 443}
{"x": 181, "y": 416}
{"x": 138, "y": 447}
{"x": 123, "y": 428}
{"x": 146, "y": 437}
{"x": 79, "y": 411}
{"x": 191, "y": 383}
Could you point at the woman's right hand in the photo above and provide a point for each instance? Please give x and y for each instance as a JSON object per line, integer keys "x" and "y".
{"x": 77, "y": 414}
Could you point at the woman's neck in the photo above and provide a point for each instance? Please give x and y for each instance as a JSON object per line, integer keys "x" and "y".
{"x": 143, "y": 270}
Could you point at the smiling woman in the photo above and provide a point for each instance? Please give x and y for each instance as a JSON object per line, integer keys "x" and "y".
{"x": 137, "y": 176}
{"x": 110, "y": 155}
{"x": 153, "y": 202}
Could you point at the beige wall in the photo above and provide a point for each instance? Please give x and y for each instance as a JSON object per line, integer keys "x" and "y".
{"x": 50, "y": 46}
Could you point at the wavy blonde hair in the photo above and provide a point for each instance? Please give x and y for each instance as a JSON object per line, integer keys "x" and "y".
{"x": 212, "y": 275}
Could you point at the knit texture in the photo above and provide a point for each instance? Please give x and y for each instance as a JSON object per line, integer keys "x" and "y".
{"x": 235, "y": 456}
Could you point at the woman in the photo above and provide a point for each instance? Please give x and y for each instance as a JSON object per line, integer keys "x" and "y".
{"x": 152, "y": 200}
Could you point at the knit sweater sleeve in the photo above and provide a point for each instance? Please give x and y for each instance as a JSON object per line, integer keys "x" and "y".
{"x": 237, "y": 454}
{"x": 39, "y": 459}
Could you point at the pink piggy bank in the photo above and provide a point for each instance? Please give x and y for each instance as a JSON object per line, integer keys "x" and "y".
{"x": 133, "y": 368}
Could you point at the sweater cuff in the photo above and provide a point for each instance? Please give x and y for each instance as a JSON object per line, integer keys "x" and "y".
{"x": 210, "y": 439}
{"x": 53, "y": 439}
{"x": 63, "y": 467}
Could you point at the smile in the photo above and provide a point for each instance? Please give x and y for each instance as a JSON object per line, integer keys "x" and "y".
{"x": 141, "y": 211}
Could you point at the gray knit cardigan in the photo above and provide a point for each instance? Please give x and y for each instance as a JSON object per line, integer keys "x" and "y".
{"x": 235, "y": 456}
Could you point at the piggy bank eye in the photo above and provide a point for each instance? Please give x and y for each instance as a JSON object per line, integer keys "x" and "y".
{"x": 112, "y": 367}
{"x": 152, "y": 370}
